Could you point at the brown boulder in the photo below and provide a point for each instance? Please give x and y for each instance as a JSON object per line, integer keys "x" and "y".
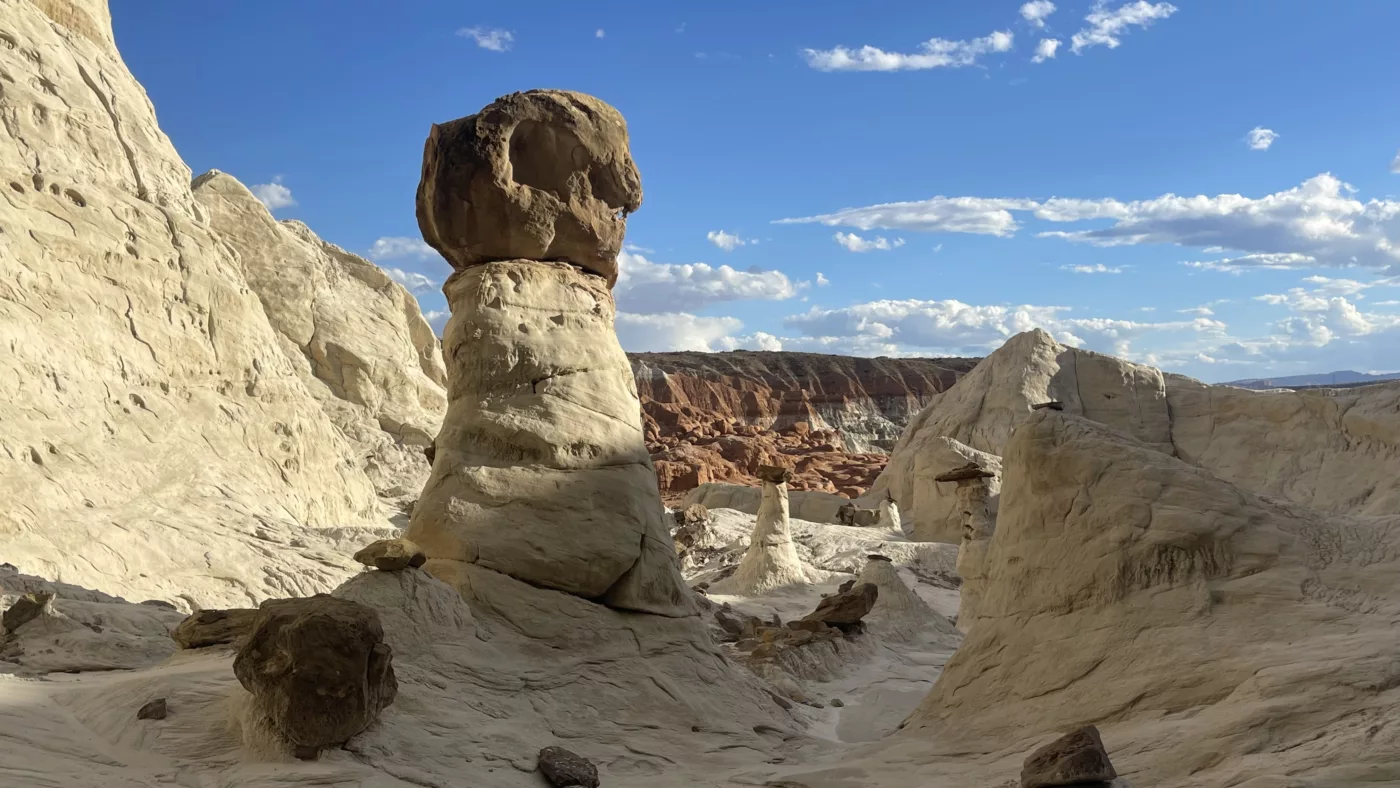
{"x": 1077, "y": 758}
{"x": 391, "y": 555}
{"x": 539, "y": 175}
{"x": 565, "y": 769}
{"x": 25, "y": 609}
{"x": 206, "y": 628}
{"x": 847, "y": 607}
{"x": 318, "y": 669}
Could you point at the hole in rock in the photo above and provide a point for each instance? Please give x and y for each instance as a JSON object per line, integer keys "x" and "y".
{"x": 75, "y": 197}
{"x": 38, "y": 183}
{"x": 17, "y": 187}
{"x": 542, "y": 157}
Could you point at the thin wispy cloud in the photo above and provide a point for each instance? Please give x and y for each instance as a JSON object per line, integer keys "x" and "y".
{"x": 934, "y": 53}
{"x": 1260, "y": 138}
{"x": 1036, "y": 11}
{"x": 1045, "y": 50}
{"x": 855, "y": 243}
{"x": 645, "y": 287}
{"x": 1395, "y": 164}
{"x": 1097, "y": 268}
{"x": 492, "y": 38}
{"x": 274, "y": 195}
{"x": 1106, "y": 26}
{"x": 412, "y": 280}
{"x": 400, "y": 247}
{"x": 599, "y": 33}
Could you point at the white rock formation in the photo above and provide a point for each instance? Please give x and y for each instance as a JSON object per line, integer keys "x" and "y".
{"x": 809, "y": 505}
{"x": 899, "y": 613}
{"x": 973, "y": 496}
{"x": 541, "y": 470}
{"x": 771, "y": 561}
{"x": 158, "y": 437}
{"x": 1334, "y": 450}
{"x": 889, "y": 515}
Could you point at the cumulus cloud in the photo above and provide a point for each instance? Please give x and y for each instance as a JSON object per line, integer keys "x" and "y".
{"x": 1319, "y": 223}
{"x": 1097, "y": 268}
{"x": 645, "y": 287}
{"x": 401, "y": 247}
{"x": 1106, "y": 26}
{"x": 1036, "y": 12}
{"x": 951, "y": 326}
{"x": 684, "y": 331}
{"x": 855, "y": 243}
{"x": 1260, "y": 138}
{"x": 273, "y": 195}
{"x": 1046, "y": 50}
{"x": 494, "y": 39}
{"x": 822, "y": 281}
{"x": 933, "y": 53}
{"x": 728, "y": 241}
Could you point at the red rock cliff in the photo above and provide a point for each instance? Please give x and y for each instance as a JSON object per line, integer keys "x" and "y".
{"x": 718, "y": 416}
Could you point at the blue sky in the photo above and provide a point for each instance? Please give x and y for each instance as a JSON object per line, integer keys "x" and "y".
{"x": 1207, "y": 185}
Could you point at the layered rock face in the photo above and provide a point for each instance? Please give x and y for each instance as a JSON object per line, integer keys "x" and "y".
{"x": 148, "y": 382}
{"x": 716, "y": 417}
{"x": 540, "y": 471}
{"x": 1127, "y": 586}
{"x": 1334, "y": 450}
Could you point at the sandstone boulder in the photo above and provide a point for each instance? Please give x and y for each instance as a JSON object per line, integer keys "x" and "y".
{"x": 539, "y": 175}
{"x": 1077, "y": 758}
{"x": 205, "y": 628}
{"x": 317, "y": 669}
{"x": 154, "y": 710}
{"x": 565, "y": 769}
{"x": 25, "y": 609}
{"x": 847, "y": 607}
{"x": 391, "y": 555}
{"x": 692, "y": 514}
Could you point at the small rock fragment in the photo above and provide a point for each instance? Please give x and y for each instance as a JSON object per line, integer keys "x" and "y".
{"x": 1075, "y": 758}
{"x": 155, "y": 710}
{"x": 391, "y": 555}
{"x": 692, "y": 514}
{"x": 566, "y": 769}
{"x": 1052, "y": 405}
{"x": 25, "y": 609}
{"x": 837, "y": 702}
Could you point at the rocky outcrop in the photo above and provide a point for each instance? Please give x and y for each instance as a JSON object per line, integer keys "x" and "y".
{"x": 145, "y": 382}
{"x": 540, "y": 471}
{"x": 539, "y": 175}
{"x": 771, "y": 561}
{"x": 205, "y": 628}
{"x": 715, "y": 417}
{"x": 1336, "y": 450}
{"x": 318, "y": 670}
{"x": 1131, "y": 588}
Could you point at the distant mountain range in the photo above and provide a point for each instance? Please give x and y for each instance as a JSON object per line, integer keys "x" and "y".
{"x": 1344, "y": 378}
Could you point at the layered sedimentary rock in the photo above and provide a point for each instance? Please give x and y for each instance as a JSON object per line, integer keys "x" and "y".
{"x": 145, "y": 384}
{"x": 540, "y": 471}
{"x": 715, "y": 417}
{"x": 1336, "y": 450}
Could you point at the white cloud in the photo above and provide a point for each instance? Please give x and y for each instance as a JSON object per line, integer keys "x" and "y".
{"x": 684, "y": 331}
{"x": 822, "y": 281}
{"x": 398, "y": 247}
{"x": 855, "y": 243}
{"x": 1046, "y": 50}
{"x": 1255, "y": 262}
{"x": 651, "y": 288}
{"x": 954, "y": 327}
{"x": 1097, "y": 268}
{"x": 273, "y": 195}
{"x": 437, "y": 318}
{"x": 599, "y": 33}
{"x": 1106, "y": 26}
{"x": 1036, "y": 11}
{"x": 1395, "y": 164}
{"x": 1319, "y": 223}
{"x": 414, "y": 281}
{"x": 974, "y": 215}
{"x": 491, "y": 38}
{"x": 934, "y": 53}
{"x": 728, "y": 241}
{"x": 1198, "y": 311}
{"x": 1260, "y": 138}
